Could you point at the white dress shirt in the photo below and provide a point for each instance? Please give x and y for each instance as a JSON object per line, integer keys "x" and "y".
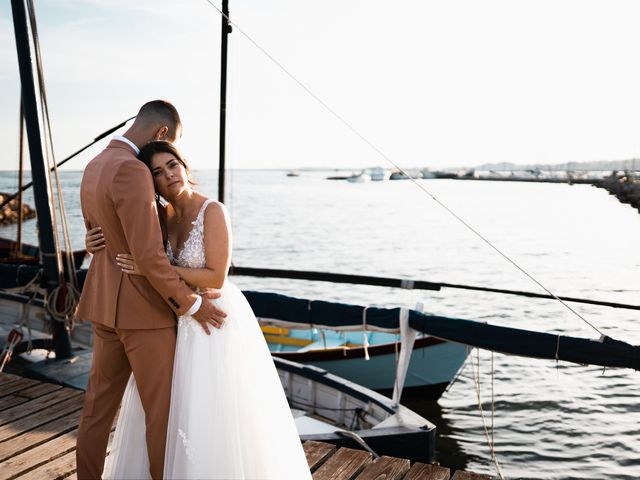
{"x": 124, "y": 139}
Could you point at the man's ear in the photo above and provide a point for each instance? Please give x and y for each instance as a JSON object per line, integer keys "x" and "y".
{"x": 161, "y": 133}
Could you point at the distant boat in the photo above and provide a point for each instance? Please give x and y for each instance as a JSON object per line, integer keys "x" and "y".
{"x": 399, "y": 175}
{"x": 337, "y": 177}
{"x": 443, "y": 174}
{"x": 378, "y": 174}
{"x": 426, "y": 173}
{"x": 293, "y": 173}
{"x": 361, "y": 177}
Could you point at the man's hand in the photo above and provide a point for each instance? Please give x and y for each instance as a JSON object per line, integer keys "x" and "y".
{"x": 209, "y": 314}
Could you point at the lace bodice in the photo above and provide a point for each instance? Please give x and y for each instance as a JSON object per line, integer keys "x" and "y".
{"x": 192, "y": 253}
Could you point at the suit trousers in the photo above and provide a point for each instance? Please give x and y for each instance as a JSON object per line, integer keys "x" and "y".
{"x": 148, "y": 353}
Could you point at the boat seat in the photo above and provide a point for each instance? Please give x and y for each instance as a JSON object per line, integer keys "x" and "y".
{"x": 307, "y": 425}
{"x": 320, "y": 345}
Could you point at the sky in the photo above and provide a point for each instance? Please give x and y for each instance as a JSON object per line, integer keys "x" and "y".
{"x": 435, "y": 84}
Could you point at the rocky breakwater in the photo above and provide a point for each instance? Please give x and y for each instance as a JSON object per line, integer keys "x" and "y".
{"x": 10, "y": 214}
{"x": 624, "y": 185}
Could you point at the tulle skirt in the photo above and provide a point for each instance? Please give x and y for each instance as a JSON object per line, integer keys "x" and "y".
{"x": 229, "y": 417}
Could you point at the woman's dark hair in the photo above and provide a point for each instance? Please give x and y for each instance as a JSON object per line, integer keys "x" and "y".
{"x": 146, "y": 155}
{"x": 162, "y": 146}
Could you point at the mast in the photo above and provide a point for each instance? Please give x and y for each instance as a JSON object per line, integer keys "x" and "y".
{"x": 20, "y": 179}
{"x": 224, "y": 32}
{"x": 46, "y": 238}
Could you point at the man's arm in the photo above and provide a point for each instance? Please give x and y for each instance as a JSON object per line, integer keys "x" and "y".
{"x": 134, "y": 200}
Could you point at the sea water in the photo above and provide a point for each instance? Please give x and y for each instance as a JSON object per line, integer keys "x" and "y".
{"x": 551, "y": 420}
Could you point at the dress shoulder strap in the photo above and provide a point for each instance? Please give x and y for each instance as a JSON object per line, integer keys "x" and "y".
{"x": 200, "y": 218}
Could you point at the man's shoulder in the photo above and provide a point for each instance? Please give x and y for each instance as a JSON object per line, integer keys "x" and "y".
{"x": 116, "y": 150}
{"x": 114, "y": 159}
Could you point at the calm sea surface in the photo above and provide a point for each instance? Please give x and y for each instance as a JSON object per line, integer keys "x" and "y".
{"x": 552, "y": 421}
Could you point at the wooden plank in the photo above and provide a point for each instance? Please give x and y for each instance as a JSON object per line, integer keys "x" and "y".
{"x": 28, "y": 408}
{"x": 463, "y": 475}
{"x": 8, "y": 379}
{"x": 345, "y": 464}
{"x": 38, "y": 456}
{"x": 385, "y": 468}
{"x": 30, "y": 393}
{"x": 39, "y": 390}
{"x": 16, "y": 387}
{"x": 317, "y": 453}
{"x": 422, "y": 471}
{"x": 48, "y": 414}
{"x": 39, "y": 435}
{"x": 59, "y": 468}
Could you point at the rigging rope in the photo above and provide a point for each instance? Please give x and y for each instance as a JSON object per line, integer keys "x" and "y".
{"x": 489, "y": 437}
{"x": 389, "y": 160}
{"x": 62, "y": 300}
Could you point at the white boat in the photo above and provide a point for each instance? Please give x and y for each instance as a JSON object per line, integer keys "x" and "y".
{"x": 378, "y": 174}
{"x": 361, "y": 177}
{"x": 426, "y": 173}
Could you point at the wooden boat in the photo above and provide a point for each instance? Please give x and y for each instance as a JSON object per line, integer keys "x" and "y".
{"x": 434, "y": 362}
{"x": 331, "y": 409}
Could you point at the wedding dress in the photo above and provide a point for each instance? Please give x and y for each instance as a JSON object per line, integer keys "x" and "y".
{"x": 229, "y": 417}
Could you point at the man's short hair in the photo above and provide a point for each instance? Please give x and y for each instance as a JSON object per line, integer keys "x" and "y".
{"x": 160, "y": 112}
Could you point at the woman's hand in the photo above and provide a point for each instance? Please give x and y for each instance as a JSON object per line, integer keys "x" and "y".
{"x": 128, "y": 265}
{"x": 94, "y": 240}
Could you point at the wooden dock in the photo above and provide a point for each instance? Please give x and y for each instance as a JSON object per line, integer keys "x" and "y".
{"x": 38, "y": 424}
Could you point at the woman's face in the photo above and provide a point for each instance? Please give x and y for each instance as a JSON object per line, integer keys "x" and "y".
{"x": 169, "y": 176}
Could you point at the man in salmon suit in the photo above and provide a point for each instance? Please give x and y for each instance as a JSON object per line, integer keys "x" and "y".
{"x": 133, "y": 316}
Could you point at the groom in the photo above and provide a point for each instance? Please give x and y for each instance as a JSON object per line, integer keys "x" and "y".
{"x": 134, "y": 317}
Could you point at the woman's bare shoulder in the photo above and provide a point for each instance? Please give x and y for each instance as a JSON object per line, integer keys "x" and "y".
{"x": 216, "y": 212}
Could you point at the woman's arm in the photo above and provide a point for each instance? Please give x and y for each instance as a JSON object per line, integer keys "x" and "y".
{"x": 217, "y": 246}
{"x": 94, "y": 240}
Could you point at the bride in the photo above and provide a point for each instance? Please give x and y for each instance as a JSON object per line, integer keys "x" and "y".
{"x": 229, "y": 417}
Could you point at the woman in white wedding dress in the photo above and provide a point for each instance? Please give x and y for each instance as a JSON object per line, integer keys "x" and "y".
{"x": 229, "y": 417}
